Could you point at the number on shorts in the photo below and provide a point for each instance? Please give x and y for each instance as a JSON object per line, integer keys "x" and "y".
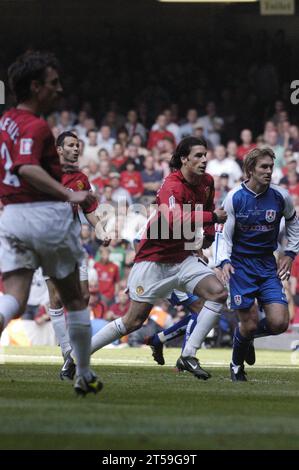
{"x": 9, "y": 179}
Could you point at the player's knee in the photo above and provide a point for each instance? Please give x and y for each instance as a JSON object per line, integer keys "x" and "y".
{"x": 220, "y": 295}
{"x": 279, "y": 326}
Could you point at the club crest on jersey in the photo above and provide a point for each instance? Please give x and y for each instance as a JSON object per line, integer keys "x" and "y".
{"x": 139, "y": 290}
{"x": 80, "y": 185}
{"x": 238, "y": 299}
{"x": 26, "y": 146}
{"x": 270, "y": 215}
{"x": 171, "y": 202}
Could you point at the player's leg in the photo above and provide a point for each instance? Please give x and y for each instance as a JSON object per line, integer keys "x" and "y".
{"x": 16, "y": 287}
{"x": 79, "y": 328}
{"x": 276, "y": 320}
{"x": 133, "y": 320}
{"x": 201, "y": 280}
{"x": 83, "y": 275}
{"x": 215, "y": 294}
{"x": 156, "y": 342}
{"x": 242, "y": 341}
{"x": 56, "y": 312}
{"x": 147, "y": 282}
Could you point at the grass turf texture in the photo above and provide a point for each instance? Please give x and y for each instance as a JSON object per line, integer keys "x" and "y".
{"x": 146, "y": 406}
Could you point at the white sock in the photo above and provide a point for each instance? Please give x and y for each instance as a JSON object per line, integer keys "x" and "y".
{"x": 59, "y": 326}
{"x": 205, "y": 322}
{"x": 80, "y": 335}
{"x": 9, "y": 307}
{"x": 114, "y": 330}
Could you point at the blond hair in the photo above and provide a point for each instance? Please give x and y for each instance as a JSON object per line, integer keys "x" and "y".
{"x": 253, "y": 156}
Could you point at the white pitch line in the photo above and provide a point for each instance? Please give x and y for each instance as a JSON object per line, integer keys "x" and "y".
{"x": 12, "y": 358}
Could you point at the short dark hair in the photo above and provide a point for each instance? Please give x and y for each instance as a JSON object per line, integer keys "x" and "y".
{"x": 29, "y": 66}
{"x": 253, "y": 156}
{"x": 183, "y": 149}
{"x": 62, "y": 136}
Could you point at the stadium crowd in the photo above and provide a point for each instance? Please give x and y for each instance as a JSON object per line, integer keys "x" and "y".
{"x": 125, "y": 150}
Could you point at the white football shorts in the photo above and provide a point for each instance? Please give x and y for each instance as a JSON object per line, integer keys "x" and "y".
{"x": 40, "y": 234}
{"x": 149, "y": 281}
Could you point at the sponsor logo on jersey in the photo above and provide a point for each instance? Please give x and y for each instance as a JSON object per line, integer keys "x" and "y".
{"x": 26, "y": 146}
{"x": 238, "y": 299}
{"x": 139, "y": 290}
{"x": 270, "y": 215}
{"x": 171, "y": 202}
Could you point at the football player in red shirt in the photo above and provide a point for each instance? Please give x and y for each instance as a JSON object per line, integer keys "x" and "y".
{"x": 37, "y": 228}
{"x": 67, "y": 145}
{"x": 163, "y": 262}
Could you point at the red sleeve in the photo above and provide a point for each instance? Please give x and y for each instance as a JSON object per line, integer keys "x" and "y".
{"x": 171, "y": 202}
{"x": 94, "y": 205}
{"x": 31, "y": 145}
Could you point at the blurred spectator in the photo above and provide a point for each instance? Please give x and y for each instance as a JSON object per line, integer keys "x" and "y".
{"x": 246, "y": 145}
{"x": 103, "y": 176}
{"x": 212, "y": 124}
{"x": 198, "y": 132}
{"x": 118, "y": 193}
{"x": 89, "y": 242}
{"x": 120, "y": 308}
{"x": 105, "y": 140}
{"x": 130, "y": 179}
{"x": 221, "y": 164}
{"x": 151, "y": 178}
{"x": 271, "y": 140}
{"x": 91, "y": 148}
{"x": 160, "y": 132}
{"x": 171, "y": 126}
{"x": 135, "y": 153}
{"x": 119, "y": 159}
{"x": 291, "y": 173}
{"x": 134, "y": 127}
{"x": 108, "y": 276}
{"x": 187, "y": 128}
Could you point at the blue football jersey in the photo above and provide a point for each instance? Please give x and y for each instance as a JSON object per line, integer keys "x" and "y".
{"x": 252, "y": 227}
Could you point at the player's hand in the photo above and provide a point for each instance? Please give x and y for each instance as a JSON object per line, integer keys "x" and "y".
{"x": 101, "y": 234}
{"x": 221, "y": 216}
{"x": 84, "y": 198}
{"x": 227, "y": 270}
{"x": 284, "y": 268}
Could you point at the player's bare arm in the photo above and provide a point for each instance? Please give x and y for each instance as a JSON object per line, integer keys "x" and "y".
{"x": 97, "y": 224}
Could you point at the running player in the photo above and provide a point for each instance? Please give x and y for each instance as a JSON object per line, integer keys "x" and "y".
{"x": 255, "y": 209}
{"x": 37, "y": 228}
{"x": 163, "y": 263}
{"x": 67, "y": 146}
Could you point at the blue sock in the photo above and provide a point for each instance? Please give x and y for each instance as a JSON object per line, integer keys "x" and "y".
{"x": 178, "y": 329}
{"x": 263, "y": 329}
{"x": 240, "y": 348}
{"x": 190, "y": 327}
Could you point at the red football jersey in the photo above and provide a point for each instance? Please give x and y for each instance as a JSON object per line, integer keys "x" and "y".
{"x": 25, "y": 139}
{"x": 174, "y": 192}
{"x": 108, "y": 275}
{"x": 78, "y": 181}
{"x": 132, "y": 182}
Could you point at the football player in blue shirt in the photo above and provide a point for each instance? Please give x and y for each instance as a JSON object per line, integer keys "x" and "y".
{"x": 255, "y": 209}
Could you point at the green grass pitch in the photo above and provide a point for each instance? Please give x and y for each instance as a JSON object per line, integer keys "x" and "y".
{"x": 146, "y": 406}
